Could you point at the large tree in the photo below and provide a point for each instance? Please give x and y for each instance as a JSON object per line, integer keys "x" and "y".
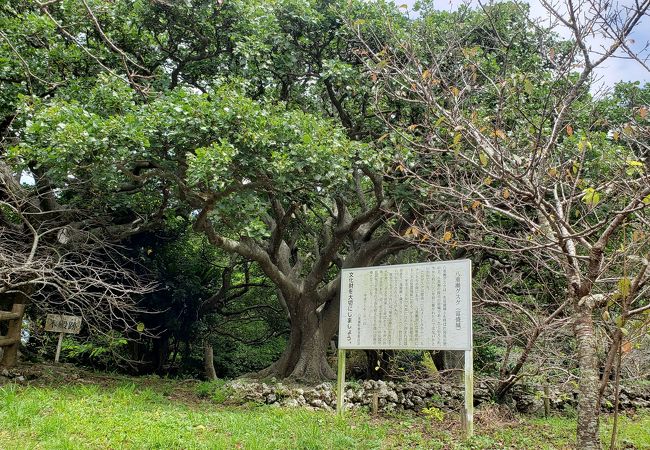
{"x": 281, "y": 188}
{"x": 211, "y": 110}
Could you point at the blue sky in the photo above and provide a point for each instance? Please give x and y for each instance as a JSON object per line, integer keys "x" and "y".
{"x": 613, "y": 70}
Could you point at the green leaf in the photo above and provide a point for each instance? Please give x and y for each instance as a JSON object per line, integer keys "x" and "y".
{"x": 484, "y": 159}
{"x": 140, "y": 327}
{"x": 624, "y": 286}
{"x": 591, "y": 196}
{"x": 584, "y": 144}
{"x": 634, "y": 168}
{"x": 528, "y": 87}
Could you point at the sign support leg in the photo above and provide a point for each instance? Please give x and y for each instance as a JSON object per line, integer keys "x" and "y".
{"x": 469, "y": 393}
{"x": 58, "y": 348}
{"x": 340, "y": 382}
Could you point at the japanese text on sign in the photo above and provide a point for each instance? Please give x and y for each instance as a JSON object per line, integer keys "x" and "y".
{"x": 63, "y": 324}
{"x": 410, "y": 306}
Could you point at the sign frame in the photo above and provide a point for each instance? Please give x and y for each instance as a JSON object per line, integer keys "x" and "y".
{"x": 467, "y": 416}
{"x": 467, "y": 288}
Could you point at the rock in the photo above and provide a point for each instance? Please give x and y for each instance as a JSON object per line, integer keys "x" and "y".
{"x": 382, "y": 389}
{"x": 311, "y": 394}
{"x": 290, "y": 403}
{"x": 389, "y": 407}
{"x": 271, "y": 398}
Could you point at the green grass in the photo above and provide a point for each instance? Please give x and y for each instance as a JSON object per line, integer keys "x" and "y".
{"x": 150, "y": 416}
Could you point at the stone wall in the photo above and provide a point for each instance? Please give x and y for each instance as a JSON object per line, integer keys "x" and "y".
{"x": 416, "y": 396}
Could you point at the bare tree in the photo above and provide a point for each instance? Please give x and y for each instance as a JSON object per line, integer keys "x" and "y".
{"x": 63, "y": 262}
{"x": 510, "y": 148}
{"x": 517, "y": 311}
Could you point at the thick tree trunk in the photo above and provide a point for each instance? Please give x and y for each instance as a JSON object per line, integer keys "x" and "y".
{"x": 438, "y": 358}
{"x": 588, "y": 405}
{"x": 305, "y": 357}
{"x": 160, "y": 353}
{"x": 208, "y": 361}
{"x": 454, "y": 362}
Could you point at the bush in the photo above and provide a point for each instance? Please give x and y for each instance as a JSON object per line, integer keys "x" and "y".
{"x": 99, "y": 351}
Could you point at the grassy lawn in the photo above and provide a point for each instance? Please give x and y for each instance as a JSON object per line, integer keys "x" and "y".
{"x": 145, "y": 415}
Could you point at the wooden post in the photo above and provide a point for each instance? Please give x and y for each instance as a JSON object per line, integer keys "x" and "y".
{"x": 375, "y": 402}
{"x": 468, "y": 410}
{"x": 58, "y": 348}
{"x": 208, "y": 361}
{"x": 10, "y": 354}
{"x": 547, "y": 400}
{"x": 340, "y": 383}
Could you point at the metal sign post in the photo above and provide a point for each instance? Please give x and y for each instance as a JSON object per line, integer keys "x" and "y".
{"x": 340, "y": 382}
{"x": 469, "y": 393}
{"x": 424, "y": 306}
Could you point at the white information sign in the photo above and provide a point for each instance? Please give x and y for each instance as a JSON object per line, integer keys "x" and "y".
{"x": 424, "y": 306}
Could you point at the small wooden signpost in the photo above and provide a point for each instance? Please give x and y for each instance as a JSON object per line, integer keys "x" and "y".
{"x": 61, "y": 324}
{"x": 425, "y": 306}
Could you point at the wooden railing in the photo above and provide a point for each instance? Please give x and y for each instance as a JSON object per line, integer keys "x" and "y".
{"x": 11, "y": 341}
